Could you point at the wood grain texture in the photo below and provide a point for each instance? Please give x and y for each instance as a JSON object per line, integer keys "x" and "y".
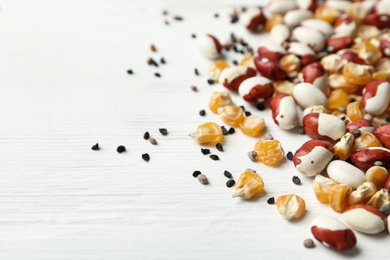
{"x": 64, "y": 87}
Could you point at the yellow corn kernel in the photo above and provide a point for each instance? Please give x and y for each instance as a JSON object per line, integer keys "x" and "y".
{"x": 338, "y": 197}
{"x": 338, "y": 98}
{"x": 380, "y": 75}
{"x": 377, "y": 175}
{"x": 362, "y": 194}
{"x": 380, "y": 199}
{"x": 274, "y": 20}
{"x": 252, "y": 125}
{"x": 322, "y": 187}
{"x": 248, "y": 185}
{"x": 326, "y": 14}
{"x": 216, "y": 68}
{"x": 283, "y": 86}
{"x": 231, "y": 115}
{"x": 357, "y": 74}
{"x": 269, "y": 152}
{"x": 377, "y": 121}
{"x": 220, "y": 99}
{"x": 207, "y": 133}
{"x": 291, "y": 206}
{"x": 357, "y": 11}
{"x": 333, "y": 63}
{"x": 366, "y": 32}
{"x": 337, "y": 81}
{"x": 368, "y": 52}
{"x": 249, "y": 61}
{"x": 364, "y": 141}
{"x": 290, "y": 63}
{"x": 344, "y": 147}
{"x": 355, "y": 111}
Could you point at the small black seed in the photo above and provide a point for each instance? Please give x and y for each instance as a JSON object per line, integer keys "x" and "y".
{"x": 202, "y": 112}
{"x": 298, "y": 56}
{"x": 166, "y": 22}
{"x": 177, "y": 18}
{"x": 247, "y": 113}
{"x": 227, "y": 174}
{"x": 235, "y": 48}
{"x": 194, "y": 88}
{"x": 205, "y": 151}
{"x": 224, "y": 130}
{"x": 271, "y": 200}
{"x": 193, "y": 35}
{"x": 214, "y": 157}
{"x": 342, "y": 110}
{"x": 216, "y": 15}
{"x": 243, "y": 108}
{"x": 260, "y": 107}
{"x": 196, "y": 173}
{"x": 342, "y": 118}
{"x": 386, "y": 209}
{"x": 230, "y": 183}
{"x": 219, "y": 147}
{"x": 242, "y": 52}
{"x": 163, "y": 131}
{"x": 231, "y": 131}
{"x": 210, "y": 81}
{"x": 296, "y": 180}
{"x": 235, "y": 62}
{"x": 196, "y": 72}
{"x": 352, "y": 100}
{"x": 162, "y": 60}
{"x": 95, "y": 147}
{"x": 146, "y": 135}
{"x": 130, "y": 72}
{"x": 146, "y": 157}
{"x": 121, "y": 149}
{"x": 290, "y": 156}
{"x": 158, "y": 75}
{"x": 234, "y": 19}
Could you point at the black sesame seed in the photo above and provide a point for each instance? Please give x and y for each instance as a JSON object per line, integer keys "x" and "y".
{"x": 146, "y": 157}
{"x": 196, "y": 72}
{"x": 290, "y": 156}
{"x": 216, "y": 15}
{"x": 130, "y": 72}
{"x": 352, "y": 100}
{"x": 234, "y": 19}
{"x": 158, "y": 75}
{"x": 210, "y": 81}
{"x": 227, "y": 174}
{"x": 230, "y": 183}
{"x": 235, "y": 48}
{"x": 202, "y": 112}
{"x": 342, "y": 118}
{"x": 260, "y": 107}
{"x": 193, "y": 35}
{"x": 146, "y": 135}
{"x": 296, "y": 180}
{"x": 224, "y": 130}
{"x": 271, "y": 200}
{"x": 219, "y": 147}
{"x": 177, "y": 18}
{"x": 162, "y": 60}
{"x": 214, "y": 157}
{"x": 231, "y": 131}
{"x": 121, "y": 149}
{"x": 243, "y": 108}
{"x": 205, "y": 151}
{"x": 247, "y": 113}
{"x": 95, "y": 147}
{"x": 242, "y": 51}
{"x": 196, "y": 173}
{"x": 235, "y": 62}
{"x": 163, "y": 131}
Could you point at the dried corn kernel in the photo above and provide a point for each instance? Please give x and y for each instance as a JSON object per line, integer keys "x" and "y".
{"x": 338, "y": 98}
{"x": 220, "y": 99}
{"x": 248, "y": 185}
{"x": 207, "y": 133}
{"x": 342, "y": 116}
{"x": 216, "y": 68}
{"x": 269, "y": 152}
{"x": 364, "y": 141}
{"x": 366, "y": 32}
{"x": 368, "y": 52}
{"x": 315, "y": 109}
{"x": 274, "y": 20}
{"x": 337, "y": 81}
{"x": 377, "y": 175}
{"x": 290, "y": 63}
{"x": 355, "y": 111}
{"x": 291, "y": 206}
{"x": 283, "y": 86}
{"x": 333, "y": 63}
{"x": 322, "y": 187}
{"x": 377, "y": 121}
{"x": 252, "y": 125}
{"x": 338, "y": 197}
{"x": 357, "y": 11}
{"x": 380, "y": 199}
{"x": 357, "y": 74}
{"x": 326, "y": 14}
{"x": 231, "y": 115}
{"x": 362, "y": 194}
{"x": 249, "y": 61}
{"x": 344, "y": 147}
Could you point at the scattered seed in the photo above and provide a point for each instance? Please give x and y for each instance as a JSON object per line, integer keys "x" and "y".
{"x": 234, "y": 19}
{"x": 260, "y": 107}
{"x": 193, "y": 35}
{"x": 243, "y": 108}
{"x": 146, "y": 135}
{"x": 268, "y": 136}
{"x": 121, "y": 149}
{"x": 290, "y": 156}
{"x": 352, "y": 100}
{"x": 342, "y": 118}
{"x": 271, "y": 200}
{"x": 166, "y": 22}
{"x": 243, "y": 8}
{"x": 146, "y": 157}
{"x": 202, "y": 179}
{"x": 194, "y": 88}
{"x": 162, "y": 60}
{"x": 230, "y": 183}
{"x": 247, "y": 113}
{"x": 163, "y": 131}
{"x": 227, "y": 174}
{"x": 216, "y": 15}
{"x": 214, "y": 157}
{"x": 164, "y": 12}
{"x": 386, "y": 209}
{"x": 153, "y": 48}
{"x": 356, "y": 132}
{"x": 308, "y": 243}
{"x": 296, "y": 180}
{"x": 219, "y": 147}
{"x": 152, "y": 140}
{"x": 196, "y": 173}
{"x": 95, "y": 147}
{"x": 235, "y": 62}
{"x": 177, "y": 18}
{"x": 202, "y": 112}
{"x": 231, "y": 131}
{"x": 205, "y": 151}
{"x": 151, "y": 61}
{"x": 252, "y": 155}
{"x": 129, "y": 72}
{"x": 210, "y": 81}
{"x": 158, "y": 75}
{"x": 224, "y": 130}
{"x": 196, "y": 72}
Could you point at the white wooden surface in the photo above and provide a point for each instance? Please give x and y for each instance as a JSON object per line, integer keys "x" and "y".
{"x": 64, "y": 87}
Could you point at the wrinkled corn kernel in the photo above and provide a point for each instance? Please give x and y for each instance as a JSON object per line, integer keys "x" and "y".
{"x": 366, "y": 32}
{"x": 368, "y": 52}
{"x": 355, "y": 111}
{"x": 273, "y": 21}
{"x": 220, "y": 99}
{"x": 362, "y": 194}
{"x": 283, "y": 86}
{"x": 338, "y": 197}
{"x": 249, "y": 61}
{"x": 377, "y": 175}
{"x": 252, "y": 125}
{"x": 337, "y": 81}
{"x": 344, "y": 147}
{"x": 207, "y": 133}
{"x": 380, "y": 199}
{"x": 269, "y": 152}
{"x": 248, "y": 185}
{"x": 291, "y": 206}
{"x": 380, "y": 75}
{"x": 231, "y": 115}
{"x": 326, "y": 14}
{"x": 364, "y": 141}
{"x": 216, "y": 68}
{"x": 322, "y": 187}
{"x": 333, "y": 63}
{"x": 338, "y": 98}
{"x": 357, "y": 74}
{"x": 290, "y": 63}
{"x": 357, "y": 11}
